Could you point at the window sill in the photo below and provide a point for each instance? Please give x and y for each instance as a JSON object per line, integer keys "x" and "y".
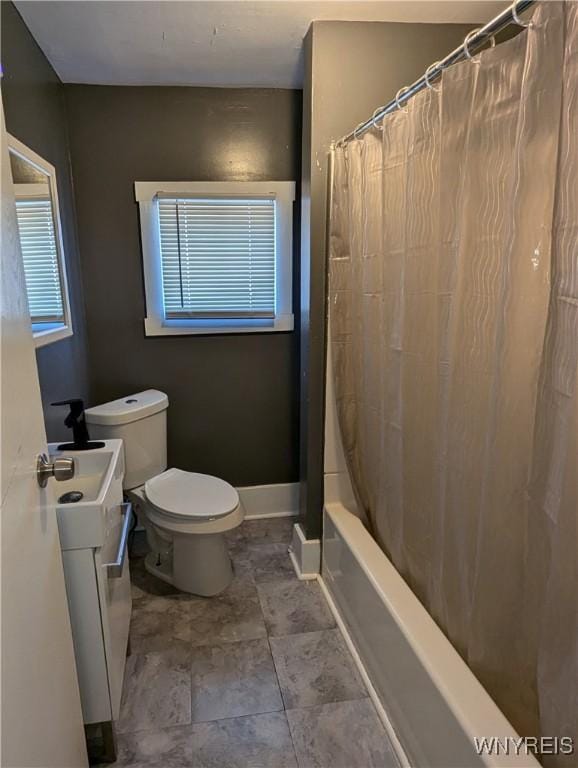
{"x": 48, "y": 334}
{"x": 157, "y": 327}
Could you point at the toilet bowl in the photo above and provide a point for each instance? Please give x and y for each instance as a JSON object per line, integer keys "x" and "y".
{"x": 185, "y": 514}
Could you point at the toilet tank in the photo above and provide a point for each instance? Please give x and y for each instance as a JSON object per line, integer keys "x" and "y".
{"x": 140, "y": 421}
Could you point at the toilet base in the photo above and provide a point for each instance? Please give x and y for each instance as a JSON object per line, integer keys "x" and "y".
{"x": 197, "y": 564}
{"x": 159, "y": 568}
{"x": 201, "y": 564}
{"x": 191, "y": 556}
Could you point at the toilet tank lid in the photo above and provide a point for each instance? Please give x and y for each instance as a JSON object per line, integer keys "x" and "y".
{"x": 129, "y": 408}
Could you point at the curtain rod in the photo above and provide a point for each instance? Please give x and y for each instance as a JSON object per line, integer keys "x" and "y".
{"x": 473, "y": 41}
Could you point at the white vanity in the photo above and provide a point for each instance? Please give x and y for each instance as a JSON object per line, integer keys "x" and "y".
{"x": 93, "y": 535}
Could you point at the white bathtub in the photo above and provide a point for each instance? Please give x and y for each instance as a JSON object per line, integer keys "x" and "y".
{"x": 429, "y": 697}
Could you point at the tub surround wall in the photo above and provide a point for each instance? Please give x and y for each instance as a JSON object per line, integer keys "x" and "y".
{"x": 233, "y": 399}
{"x": 336, "y": 480}
{"x": 350, "y": 69}
{"x": 35, "y": 114}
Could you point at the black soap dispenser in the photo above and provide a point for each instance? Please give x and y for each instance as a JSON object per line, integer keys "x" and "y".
{"x": 77, "y": 422}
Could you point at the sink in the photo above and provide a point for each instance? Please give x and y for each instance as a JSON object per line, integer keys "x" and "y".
{"x": 90, "y": 473}
{"x": 98, "y": 477}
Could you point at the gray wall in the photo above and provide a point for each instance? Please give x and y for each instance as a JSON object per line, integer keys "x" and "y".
{"x": 35, "y": 114}
{"x": 350, "y": 69}
{"x": 234, "y": 399}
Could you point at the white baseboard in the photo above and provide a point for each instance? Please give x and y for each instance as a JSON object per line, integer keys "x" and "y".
{"x": 301, "y": 576}
{"x": 277, "y": 500}
{"x": 305, "y": 554}
{"x": 381, "y": 712}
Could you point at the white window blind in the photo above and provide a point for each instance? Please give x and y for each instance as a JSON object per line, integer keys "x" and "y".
{"x": 40, "y": 256}
{"x": 218, "y": 257}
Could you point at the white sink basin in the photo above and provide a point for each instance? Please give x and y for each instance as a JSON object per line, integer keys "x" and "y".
{"x": 98, "y": 477}
{"x": 91, "y": 473}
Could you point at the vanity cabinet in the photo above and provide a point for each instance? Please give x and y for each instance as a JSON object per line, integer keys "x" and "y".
{"x": 93, "y": 537}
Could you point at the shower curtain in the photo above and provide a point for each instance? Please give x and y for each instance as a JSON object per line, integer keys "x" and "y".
{"x": 453, "y": 265}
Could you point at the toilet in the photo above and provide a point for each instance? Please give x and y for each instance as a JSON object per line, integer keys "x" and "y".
{"x": 185, "y": 514}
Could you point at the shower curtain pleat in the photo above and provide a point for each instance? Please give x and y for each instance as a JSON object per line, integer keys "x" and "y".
{"x": 553, "y": 486}
{"x": 454, "y": 330}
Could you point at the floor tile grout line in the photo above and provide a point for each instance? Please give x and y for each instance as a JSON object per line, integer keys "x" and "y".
{"x": 277, "y": 674}
{"x": 271, "y": 652}
{"x": 297, "y": 763}
{"x": 234, "y": 717}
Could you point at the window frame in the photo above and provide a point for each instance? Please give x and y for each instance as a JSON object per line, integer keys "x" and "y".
{"x": 48, "y": 333}
{"x": 156, "y": 324}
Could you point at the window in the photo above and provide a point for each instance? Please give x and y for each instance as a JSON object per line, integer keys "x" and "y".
{"x": 217, "y": 256}
{"x": 36, "y": 199}
{"x": 38, "y": 246}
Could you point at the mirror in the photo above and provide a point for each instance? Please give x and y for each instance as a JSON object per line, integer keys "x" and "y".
{"x": 38, "y": 217}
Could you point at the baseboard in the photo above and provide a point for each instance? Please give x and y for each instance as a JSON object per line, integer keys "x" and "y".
{"x": 276, "y": 500}
{"x": 305, "y": 554}
{"x": 381, "y": 713}
{"x": 301, "y": 576}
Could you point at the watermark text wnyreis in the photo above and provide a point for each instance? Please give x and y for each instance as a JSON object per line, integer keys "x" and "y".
{"x": 527, "y": 745}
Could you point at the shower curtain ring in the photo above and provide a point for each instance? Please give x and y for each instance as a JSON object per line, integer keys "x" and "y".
{"x": 466, "y": 45}
{"x": 398, "y": 95}
{"x": 426, "y": 76}
{"x": 357, "y": 127}
{"x": 374, "y": 118}
{"x": 516, "y": 17}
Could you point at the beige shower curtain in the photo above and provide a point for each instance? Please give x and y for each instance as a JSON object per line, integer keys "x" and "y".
{"x": 454, "y": 331}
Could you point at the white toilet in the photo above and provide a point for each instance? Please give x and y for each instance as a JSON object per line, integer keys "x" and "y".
{"x": 185, "y": 513}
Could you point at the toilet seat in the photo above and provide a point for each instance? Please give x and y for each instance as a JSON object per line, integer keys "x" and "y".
{"x": 191, "y": 496}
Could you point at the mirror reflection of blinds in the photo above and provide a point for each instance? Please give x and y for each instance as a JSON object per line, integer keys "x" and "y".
{"x": 40, "y": 256}
{"x": 218, "y": 257}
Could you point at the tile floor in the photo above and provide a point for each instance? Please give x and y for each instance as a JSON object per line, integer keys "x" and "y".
{"x": 259, "y": 677}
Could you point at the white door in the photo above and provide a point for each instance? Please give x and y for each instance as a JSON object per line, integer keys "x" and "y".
{"x": 41, "y": 716}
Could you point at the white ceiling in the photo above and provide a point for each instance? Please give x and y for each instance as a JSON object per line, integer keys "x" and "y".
{"x": 201, "y": 42}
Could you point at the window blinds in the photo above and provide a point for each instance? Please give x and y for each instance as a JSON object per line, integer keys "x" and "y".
{"x": 218, "y": 257}
{"x": 40, "y": 256}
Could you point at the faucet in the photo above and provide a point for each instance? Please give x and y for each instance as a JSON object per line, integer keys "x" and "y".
{"x": 76, "y": 421}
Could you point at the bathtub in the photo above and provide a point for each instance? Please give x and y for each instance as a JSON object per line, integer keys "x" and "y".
{"x": 430, "y": 702}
